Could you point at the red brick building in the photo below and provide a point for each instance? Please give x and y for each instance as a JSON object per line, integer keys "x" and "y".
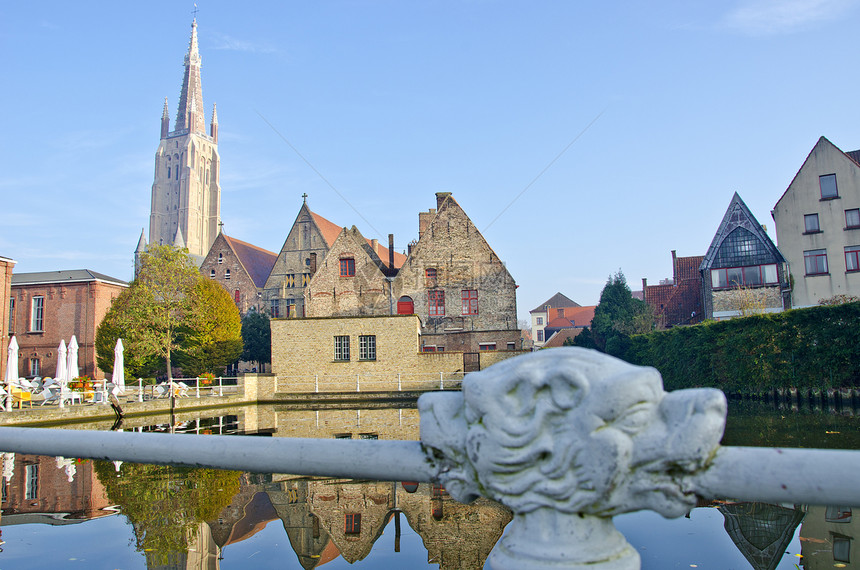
{"x": 50, "y": 306}
{"x": 6, "y": 266}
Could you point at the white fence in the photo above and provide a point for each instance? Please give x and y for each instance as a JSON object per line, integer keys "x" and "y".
{"x": 197, "y": 387}
{"x": 393, "y": 382}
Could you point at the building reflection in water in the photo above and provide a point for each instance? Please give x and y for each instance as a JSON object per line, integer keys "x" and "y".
{"x": 329, "y": 518}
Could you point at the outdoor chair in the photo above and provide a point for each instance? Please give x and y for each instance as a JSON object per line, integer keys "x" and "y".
{"x": 51, "y": 393}
{"x": 160, "y": 390}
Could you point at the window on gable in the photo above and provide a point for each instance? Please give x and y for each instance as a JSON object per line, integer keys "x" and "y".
{"x": 290, "y": 281}
{"x": 539, "y": 321}
{"x": 540, "y": 336}
{"x": 341, "y": 348}
{"x": 237, "y": 296}
{"x": 220, "y": 258}
{"x": 810, "y": 224}
{"x": 37, "y": 313}
{"x": 852, "y": 258}
{"x": 470, "y": 301}
{"x": 212, "y": 273}
{"x": 226, "y": 274}
{"x": 275, "y": 308}
{"x": 827, "y": 183}
{"x": 815, "y": 261}
{"x": 367, "y": 347}
{"x": 436, "y": 303}
{"x": 750, "y": 276}
{"x": 352, "y": 523}
{"x": 852, "y": 218}
{"x": 347, "y": 267}
{"x": 431, "y": 279}
{"x": 306, "y": 279}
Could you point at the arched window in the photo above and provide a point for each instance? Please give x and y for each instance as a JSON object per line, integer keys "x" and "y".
{"x": 220, "y": 258}
{"x": 212, "y": 273}
{"x": 405, "y": 306}
{"x": 227, "y": 274}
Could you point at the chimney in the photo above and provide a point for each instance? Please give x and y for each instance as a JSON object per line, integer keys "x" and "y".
{"x": 645, "y": 287}
{"x": 424, "y": 219}
{"x": 374, "y": 245}
{"x": 675, "y": 266}
{"x": 440, "y": 197}
{"x": 391, "y": 251}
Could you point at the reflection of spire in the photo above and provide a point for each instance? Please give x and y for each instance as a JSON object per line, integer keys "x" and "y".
{"x": 761, "y": 531}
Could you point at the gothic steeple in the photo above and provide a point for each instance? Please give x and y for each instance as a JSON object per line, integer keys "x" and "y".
{"x": 190, "y": 113}
{"x": 165, "y": 121}
{"x": 213, "y": 126}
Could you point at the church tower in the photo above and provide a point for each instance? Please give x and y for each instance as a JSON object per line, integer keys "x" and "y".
{"x": 186, "y": 194}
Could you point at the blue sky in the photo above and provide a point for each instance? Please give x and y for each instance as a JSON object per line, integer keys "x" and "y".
{"x": 670, "y": 107}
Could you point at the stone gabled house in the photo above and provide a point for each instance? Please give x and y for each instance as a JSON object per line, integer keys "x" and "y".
{"x": 241, "y": 268}
{"x": 454, "y": 281}
{"x": 742, "y": 271}
{"x": 353, "y": 279}
{"x": 306, "y": 245}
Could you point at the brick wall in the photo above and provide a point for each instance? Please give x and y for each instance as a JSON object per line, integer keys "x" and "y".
{"x": 6, "y": 266}
{"x": 69, "y": 309}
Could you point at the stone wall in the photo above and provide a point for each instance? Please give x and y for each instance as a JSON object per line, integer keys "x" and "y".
{"x": 304, "y": 348}
{"x": 746, "y": 300}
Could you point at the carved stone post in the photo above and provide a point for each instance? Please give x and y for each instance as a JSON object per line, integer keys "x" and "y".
{"x": 568, "y": 438}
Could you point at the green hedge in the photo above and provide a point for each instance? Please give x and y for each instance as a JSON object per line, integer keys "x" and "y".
{"x": 818, "y": 347}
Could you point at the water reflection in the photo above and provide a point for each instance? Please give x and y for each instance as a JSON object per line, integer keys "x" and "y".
{"x": 196, "y": 518}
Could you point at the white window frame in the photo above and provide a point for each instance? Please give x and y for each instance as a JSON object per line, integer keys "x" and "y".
{"x": 367, "y": 347}
{"x": 37, "y": 314}
{"x": 341, "y": 348}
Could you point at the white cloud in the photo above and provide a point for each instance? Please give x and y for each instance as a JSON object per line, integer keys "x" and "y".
{"x": 767, "y": 17}
{"x": 225, "y": 42}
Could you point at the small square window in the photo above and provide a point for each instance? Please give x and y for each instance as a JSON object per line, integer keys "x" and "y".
{"x": 828, "y": 186}
{"x": 815, "y": 261}
{"x": 852, "y": 218}
{"x": 347, "y": 267}
{"x": 431, "y": 277}
{"x": 539, "y": 321}
{"x": 810, "y": 224}
{"x": 352, "y": 524}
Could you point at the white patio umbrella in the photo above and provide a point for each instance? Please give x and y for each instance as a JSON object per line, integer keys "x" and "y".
{"x": 61, "y": 376}
{"x": 11, "y": 370}
{"x": 118, "y": 377}
{"x": 72, "y": 357}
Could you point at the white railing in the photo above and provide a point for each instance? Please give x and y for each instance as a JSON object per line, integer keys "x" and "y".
{"x": 393, "y": 382}
{"x": 196, "y": 387}
{"x": 567, "y": 438}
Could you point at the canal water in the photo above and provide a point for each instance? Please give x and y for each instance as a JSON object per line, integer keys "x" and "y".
{"x": 66, "y": 513}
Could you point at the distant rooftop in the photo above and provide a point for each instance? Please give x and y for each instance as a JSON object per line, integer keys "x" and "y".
{"x": 69, "y": 276}
{"x": 557, "y": 301}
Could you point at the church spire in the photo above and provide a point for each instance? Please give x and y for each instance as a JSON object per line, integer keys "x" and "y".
{"x": 190, "y": 113}
{"x": 165, "y": 121}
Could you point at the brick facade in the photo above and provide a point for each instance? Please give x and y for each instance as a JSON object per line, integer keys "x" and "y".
{"x": 6, "y": 266}
{"x": 453, "y": 268}
{"x": 678, "y": 302}
{"x": 72, "y": 303}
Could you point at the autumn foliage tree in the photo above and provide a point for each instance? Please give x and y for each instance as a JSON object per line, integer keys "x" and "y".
{"x": 170, "y": 311}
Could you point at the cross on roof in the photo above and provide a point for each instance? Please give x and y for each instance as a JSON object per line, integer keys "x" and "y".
{"x": 305, "y": 198}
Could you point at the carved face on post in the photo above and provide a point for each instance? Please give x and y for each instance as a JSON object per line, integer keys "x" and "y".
{"x": 574, "y": 430}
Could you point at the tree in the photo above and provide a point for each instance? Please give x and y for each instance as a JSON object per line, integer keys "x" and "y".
{"x": 619, "y": 315}
{"x": 211, "y": 330}
{"x": 257, "y": 335}
{"x": 136, "y": 360}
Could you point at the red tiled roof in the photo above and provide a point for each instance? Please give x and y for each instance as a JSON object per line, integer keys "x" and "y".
{"x": 559, "y": 337}
{"x": 578, "y": 316}
{"x": 331, "y": 230}
{"x": 329, "y": 553}
{"x": 258, "y": 262}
